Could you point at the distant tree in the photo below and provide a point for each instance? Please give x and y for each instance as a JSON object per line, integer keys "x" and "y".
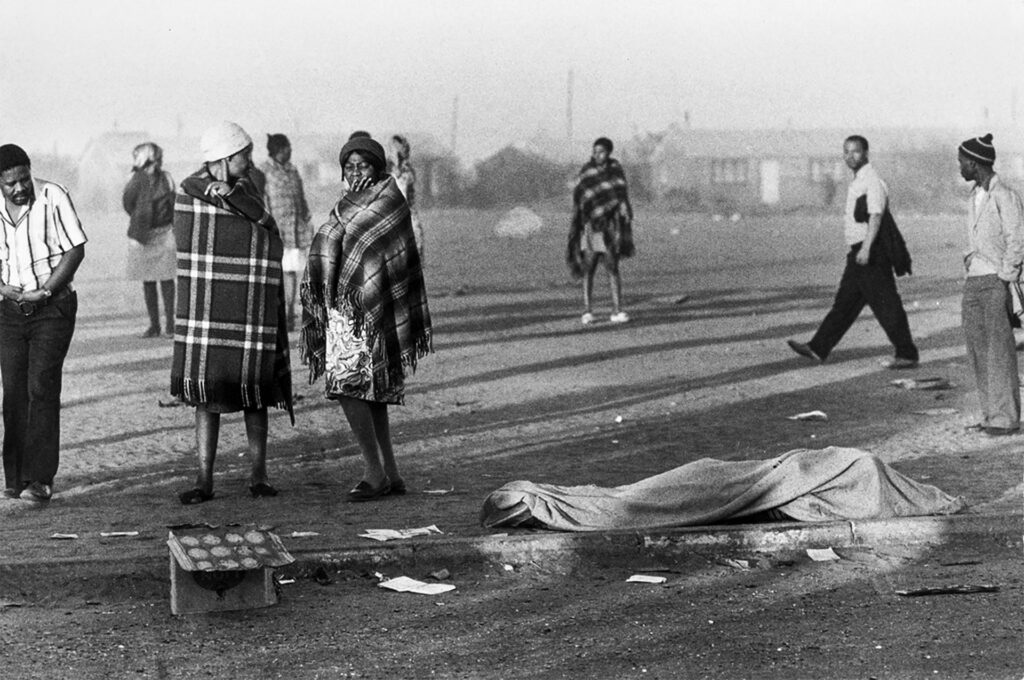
{"x": 514, "y": 176}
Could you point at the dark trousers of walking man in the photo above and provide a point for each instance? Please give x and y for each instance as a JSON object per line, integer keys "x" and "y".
{"x": 875, "y": 286}
{"x": 32, "y": 350}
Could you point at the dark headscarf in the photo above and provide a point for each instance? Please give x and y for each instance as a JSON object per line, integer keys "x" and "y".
{"x": 369, "y": 148}
{"x": 276, "y": 142}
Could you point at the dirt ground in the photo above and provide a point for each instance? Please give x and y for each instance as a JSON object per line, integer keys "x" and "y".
{"x": 519, "y": 389}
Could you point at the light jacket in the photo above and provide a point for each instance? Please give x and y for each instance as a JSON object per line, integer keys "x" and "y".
{"x": 995, "y": 230}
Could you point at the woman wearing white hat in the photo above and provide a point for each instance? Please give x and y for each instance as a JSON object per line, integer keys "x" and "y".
{"x": 231, "y": 341}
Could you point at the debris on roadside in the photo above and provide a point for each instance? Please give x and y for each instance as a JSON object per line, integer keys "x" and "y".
{"x": 118, "y": 534}
{"x": 822, "y": 554}
{"x": 438, "y": 492}
{"x": 169, "y": 403}
{"x": 949, "y": 590}
{"x": 391, "y": 534}
{"x": 440, "y": 574}
{"x": 922, "y": 383}
{"x": 303, "y": 534}
{"x": 645, "y": 578}
{"x": 809, "y": 415}
{"x": 64, "y": 537}
{"x": 743, "y": 565}
{"x": 404, "y": 584}
{"x": 937, "y": 412}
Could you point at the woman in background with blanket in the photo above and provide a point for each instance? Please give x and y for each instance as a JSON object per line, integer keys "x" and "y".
{"x": 365, "y": 319}
{"x": 148, "y": 199}
{"x": 231, "y": 339}
{"x": 602, "y": 227}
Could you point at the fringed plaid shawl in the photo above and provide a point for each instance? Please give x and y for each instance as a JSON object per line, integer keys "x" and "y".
{"x": 601, "y": 200}
{"x": 364, "y": 263}
{"x": 230, "y": 337}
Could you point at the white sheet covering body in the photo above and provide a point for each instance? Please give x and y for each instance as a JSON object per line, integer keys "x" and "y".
{"x": 810, "y": 485}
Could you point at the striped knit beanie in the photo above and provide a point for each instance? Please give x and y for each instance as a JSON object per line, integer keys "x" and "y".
{"x": 979, "y": 149}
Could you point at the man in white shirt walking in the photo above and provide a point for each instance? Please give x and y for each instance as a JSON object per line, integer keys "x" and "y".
{"x": 876, "y": 250}
{"x": 41, "y": 245}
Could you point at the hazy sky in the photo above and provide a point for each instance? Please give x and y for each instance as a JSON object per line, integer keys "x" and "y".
{"x": 71, "y": 69}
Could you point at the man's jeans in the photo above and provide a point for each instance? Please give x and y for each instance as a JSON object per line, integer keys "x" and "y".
{"x": 991, "y": 349}
{"x": 32, "y": 351}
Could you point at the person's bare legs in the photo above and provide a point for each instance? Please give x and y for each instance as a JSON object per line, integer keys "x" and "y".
{"x": 207, "y": 434}
{"x": 615, "y": 280}
{"x": 290, "y": 293}
{"x": 361, "y": 419}
{"x": 382, "y": 429}
{"x": 256, "y": 429}
{"x": 589, "y": 267}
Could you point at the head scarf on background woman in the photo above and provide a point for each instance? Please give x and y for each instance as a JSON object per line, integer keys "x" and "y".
{"x": 145, "y": 155}
{"x": 369, "y": 148}
{"x": 276, "y": 143}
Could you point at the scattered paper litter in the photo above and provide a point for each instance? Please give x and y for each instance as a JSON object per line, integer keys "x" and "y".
{"x": 404, "y": 584}
{"x": 809, "y": 415}
{"x": 64, "y": 537}
{"x": 937, "y": 412}
{"x": 645, "y": 578}
{"x": 286, "y": 581}
{"x": 949, "y": 590}
{"x": 921, "y": 383}
{"x": 118, "y": 534}
{"x": 391, "y": 534}
{"x": 822, "y": 554}
{"x": 303, "y": 534}
{"x": 438, "y": 492}
{"x": 736, "y": 564}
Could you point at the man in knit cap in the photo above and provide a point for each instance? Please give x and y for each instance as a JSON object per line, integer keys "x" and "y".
{"x": 41, "y": 247}
{"x": 877, "y": 255}
{"x": 995, "y": 251}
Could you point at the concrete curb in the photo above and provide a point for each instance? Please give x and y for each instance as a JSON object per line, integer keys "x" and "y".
{"x": 558, "y": 550}
{"x": 562, "y": 548}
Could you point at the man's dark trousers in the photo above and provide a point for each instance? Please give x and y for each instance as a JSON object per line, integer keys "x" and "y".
{"x": 875, "y": 286}
{"x": 32, "y": 351}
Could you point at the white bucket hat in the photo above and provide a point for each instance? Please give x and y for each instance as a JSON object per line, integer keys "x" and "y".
{"x": 223, "y": 140}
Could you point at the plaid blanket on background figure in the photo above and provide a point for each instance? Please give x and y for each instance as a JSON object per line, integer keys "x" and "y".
{"x": 601, "y": 199}
{"x": 364, "y": 263}
{"x": 230, "y": 337}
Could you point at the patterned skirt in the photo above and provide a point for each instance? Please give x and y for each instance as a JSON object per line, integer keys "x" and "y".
{"x": 348, "y": 369}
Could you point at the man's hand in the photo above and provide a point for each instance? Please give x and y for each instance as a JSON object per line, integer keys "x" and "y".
{"x": 863, "y": 256}
{"x": 34, "y": 296}
{"x": 218, "y": 189}
{"x": 10, "y": 292}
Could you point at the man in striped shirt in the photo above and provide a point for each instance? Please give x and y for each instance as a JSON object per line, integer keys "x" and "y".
{"x": 41, "y": 246}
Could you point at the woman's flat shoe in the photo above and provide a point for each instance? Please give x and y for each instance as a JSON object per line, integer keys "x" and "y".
{"x": 262, "y": 489}
{"x": 364, "y": 491}
{"x": 398, "y": 488}
{"x": 194, "y": 496}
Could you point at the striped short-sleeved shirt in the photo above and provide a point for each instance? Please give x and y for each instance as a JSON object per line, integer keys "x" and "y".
{"x": 35, "y": 238}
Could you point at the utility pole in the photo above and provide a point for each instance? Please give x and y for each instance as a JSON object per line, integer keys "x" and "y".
{"x": 568, "y": 111}
{"x": 455, "y": 124}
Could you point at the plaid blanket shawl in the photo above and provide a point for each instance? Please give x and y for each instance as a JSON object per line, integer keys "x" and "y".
{"x": 601, "y": 200}
{"x": 230, "y": 337}
{"x": 364, "y": 262}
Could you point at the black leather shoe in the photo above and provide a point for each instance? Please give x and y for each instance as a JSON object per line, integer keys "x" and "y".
{"x": 804, "y": 350}
{"x": 1001, "y": 431}
{"x": 363, "y": 491}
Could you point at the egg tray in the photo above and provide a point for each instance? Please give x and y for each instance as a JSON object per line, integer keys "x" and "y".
{"x": 226, "y": 548}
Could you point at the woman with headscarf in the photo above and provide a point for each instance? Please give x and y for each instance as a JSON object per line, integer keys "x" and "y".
{"x": 401, "y": 169}
{"x": 286, "y": 201}
{"x": 365, "y": 320}
{"x": 231, "y": 345}
{"x": 602, "y": 227}
{"x": 148, "y": 199}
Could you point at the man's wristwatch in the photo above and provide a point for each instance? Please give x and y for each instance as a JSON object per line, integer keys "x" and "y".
{"x": 46, "y": 292}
